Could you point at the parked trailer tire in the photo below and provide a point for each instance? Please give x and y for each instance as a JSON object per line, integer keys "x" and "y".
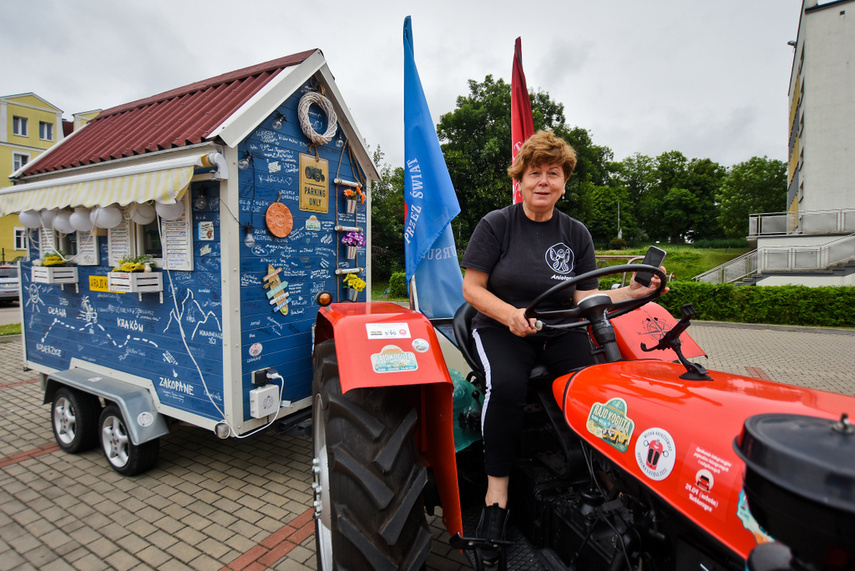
{"x": 124, "y": 456}
{"x": 367, "y": 479}
{"x": 74, "y": 418}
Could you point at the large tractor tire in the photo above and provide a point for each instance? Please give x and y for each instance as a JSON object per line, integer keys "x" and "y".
{"x": 368, "y": 481}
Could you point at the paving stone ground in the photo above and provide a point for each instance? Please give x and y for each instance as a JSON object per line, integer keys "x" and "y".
{"x": 245, "y": 504}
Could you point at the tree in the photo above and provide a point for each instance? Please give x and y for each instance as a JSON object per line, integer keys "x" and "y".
{"x": 703, "y": 181}
{"x": 679, "y": 209}
{"x": 387, "y": 220}
{"x": 755, "y": 186}
{"x": 602, "y": 221}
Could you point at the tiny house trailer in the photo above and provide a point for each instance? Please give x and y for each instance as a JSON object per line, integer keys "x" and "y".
{"x": 177, "y": 245}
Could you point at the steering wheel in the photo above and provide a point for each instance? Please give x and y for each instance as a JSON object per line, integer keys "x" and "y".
{"x": 585, "y": 310}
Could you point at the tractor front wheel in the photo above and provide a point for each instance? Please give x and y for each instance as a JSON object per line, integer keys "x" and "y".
{"x": 367, "y": 479}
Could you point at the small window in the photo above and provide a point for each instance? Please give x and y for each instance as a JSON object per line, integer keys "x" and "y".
{"x": 19, "y": 160}
{"x": 20, "y": 238}
{"x": 45, "y": 131}
{"x": 148, "y": 240}
{"x": 19, "y": 126}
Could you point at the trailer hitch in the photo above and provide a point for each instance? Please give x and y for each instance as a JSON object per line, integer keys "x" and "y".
{"x": 671, "y": 340}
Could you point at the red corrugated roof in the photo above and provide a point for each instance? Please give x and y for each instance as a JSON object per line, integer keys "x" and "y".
{"x": 176, "y": 118}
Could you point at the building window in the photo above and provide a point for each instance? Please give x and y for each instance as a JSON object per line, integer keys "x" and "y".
{"x": 45, "y": 131}
{"x": 19, "y": 126}
{"x": 19, "y": 160}
{"x": 20, "y": 238}
{"x": 148, "y": 241}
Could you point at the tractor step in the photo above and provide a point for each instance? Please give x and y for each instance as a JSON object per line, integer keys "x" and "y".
{"x": 520, "y": 554}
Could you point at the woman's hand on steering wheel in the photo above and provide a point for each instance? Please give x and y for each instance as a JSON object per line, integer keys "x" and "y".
{"x": 519, "y": 324}
{"x": 579, "y": 315}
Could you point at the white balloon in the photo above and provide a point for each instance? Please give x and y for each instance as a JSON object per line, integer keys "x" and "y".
{"x": 47, "y": 217}
{"x": 62, "y": 222}
{"x": 80, "y": 219}
{"x": 169, "y": 211}
{"x": 30, "y": 218}
{"x": 142, "y": 213}
{"x": 106, "y": 216}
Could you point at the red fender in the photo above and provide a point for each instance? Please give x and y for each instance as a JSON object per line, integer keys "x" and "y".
{"x": 648, "y": 324}
{"x": 381, "y": 344}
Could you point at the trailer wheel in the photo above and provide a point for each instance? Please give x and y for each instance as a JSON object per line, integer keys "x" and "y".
{"x": 368, "y": 481}
{"x": 124, "y": 456}
{"x": 74, "y": 416}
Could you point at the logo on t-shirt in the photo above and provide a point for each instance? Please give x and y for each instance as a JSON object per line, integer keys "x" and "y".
{"x": 559, "y": 258}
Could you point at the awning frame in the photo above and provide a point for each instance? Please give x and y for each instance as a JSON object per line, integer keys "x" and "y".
{"x": 181, "y": 164}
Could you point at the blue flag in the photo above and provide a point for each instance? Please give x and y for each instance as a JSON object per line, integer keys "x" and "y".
{"x": 430, "y": 201}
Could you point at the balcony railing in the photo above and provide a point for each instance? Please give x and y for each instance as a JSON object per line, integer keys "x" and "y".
{"x": 811, "y": 222}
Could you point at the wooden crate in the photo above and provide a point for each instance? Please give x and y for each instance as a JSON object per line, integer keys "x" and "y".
{"x": 135, "y": 282}
{"x": 54, "y": 274}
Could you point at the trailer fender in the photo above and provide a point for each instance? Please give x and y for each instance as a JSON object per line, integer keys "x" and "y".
{"x": 143, "y": 421}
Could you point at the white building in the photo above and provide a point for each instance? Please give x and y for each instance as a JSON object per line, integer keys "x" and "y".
{"x": 813, "y": 243}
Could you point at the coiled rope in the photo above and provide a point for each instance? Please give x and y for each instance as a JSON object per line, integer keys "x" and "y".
{"x": 313, "y": 97}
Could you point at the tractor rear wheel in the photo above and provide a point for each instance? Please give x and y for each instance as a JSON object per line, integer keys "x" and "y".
{"x": 368, "y": 481}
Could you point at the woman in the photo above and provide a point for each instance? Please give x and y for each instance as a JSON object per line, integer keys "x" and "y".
{"x": 515, "y": 254}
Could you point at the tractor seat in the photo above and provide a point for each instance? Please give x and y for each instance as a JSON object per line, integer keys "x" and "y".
{"x": 462, "y": 325}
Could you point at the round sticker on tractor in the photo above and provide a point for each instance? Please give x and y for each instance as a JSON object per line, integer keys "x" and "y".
{"x": 420, "y": 345}
{"x": 655, "y": 453}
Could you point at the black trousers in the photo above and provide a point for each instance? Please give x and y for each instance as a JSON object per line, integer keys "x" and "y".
{"x": 508, "y": 361}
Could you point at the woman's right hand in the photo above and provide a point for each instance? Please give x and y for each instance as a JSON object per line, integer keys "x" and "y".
{"x": 519, "y": 324}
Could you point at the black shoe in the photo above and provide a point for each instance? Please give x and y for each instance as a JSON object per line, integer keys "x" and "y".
{"x": 491, "y": 527}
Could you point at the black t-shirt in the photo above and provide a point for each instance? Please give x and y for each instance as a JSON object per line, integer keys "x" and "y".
{"x": 524, "y": 258}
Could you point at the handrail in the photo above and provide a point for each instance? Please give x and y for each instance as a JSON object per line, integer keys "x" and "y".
{"x": 783, "y": 258}
{"x": 802, "y": 223}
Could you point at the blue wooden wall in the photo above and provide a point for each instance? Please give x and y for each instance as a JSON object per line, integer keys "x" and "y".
{"x": 147, "y": 338}
{"x": 307, "y": 256}
{"x": 142, "y": 337}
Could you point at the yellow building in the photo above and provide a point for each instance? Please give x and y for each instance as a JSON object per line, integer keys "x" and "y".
{"x": 29, "y": 126}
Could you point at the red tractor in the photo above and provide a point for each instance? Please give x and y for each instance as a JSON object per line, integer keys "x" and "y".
{"x": 643, "y": 461}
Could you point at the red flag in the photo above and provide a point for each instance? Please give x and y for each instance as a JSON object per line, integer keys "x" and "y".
{"x": 522, "y": 125}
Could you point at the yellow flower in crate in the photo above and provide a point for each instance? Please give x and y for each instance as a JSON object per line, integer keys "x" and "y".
{"x": 353, "y": 281}
{"x": 136, "y": 264}
{"x": 53, "y": 259}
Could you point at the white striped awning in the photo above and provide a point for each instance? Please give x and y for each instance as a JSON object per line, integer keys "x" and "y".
{"x": 163, "y": 181}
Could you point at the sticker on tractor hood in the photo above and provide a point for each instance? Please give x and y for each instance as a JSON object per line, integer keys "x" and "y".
{"x": 655, "y": 453}
{"x": 393, "y": 359}
{"x": 388, "y": 330}
{"x": 609, "y": 422}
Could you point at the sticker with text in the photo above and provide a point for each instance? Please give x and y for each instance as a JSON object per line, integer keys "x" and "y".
{"x": 655, "y": 453}
{"x": 393, "y": 359}
{"x": 388, "y": 330}
{"x": 608, "y": 421}
{"x": 707, "y": 478}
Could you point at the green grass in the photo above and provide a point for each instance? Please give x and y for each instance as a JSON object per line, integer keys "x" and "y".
{"x": 11, "y": 329}
{"x": 683, "y": 261}
{"x": 378, "y": 288}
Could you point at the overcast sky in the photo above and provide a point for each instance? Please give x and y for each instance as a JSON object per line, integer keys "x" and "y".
{"x": 708, "y": 78}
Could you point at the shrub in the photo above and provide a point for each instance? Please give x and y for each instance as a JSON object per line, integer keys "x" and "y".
{"x": 776, "y": 305}
{"x": 398, "y": 285}
{"x": 617, "y": 244}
